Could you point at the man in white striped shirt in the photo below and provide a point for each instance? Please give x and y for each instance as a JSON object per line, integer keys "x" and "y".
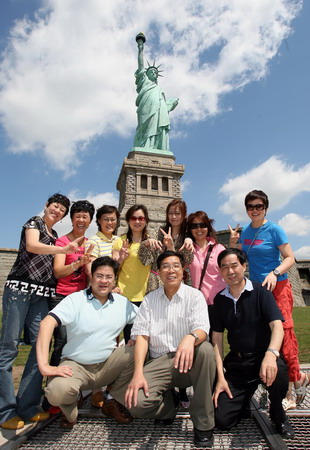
{"x": 172, "y": 325}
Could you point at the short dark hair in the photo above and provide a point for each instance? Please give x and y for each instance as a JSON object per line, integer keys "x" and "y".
{"x": 257, "y": 195}
{"x": 168, "y": 253}
{"x": 82, "y": 206}
{"x": 106, "y": 209}
{"x": 105, "y": 261}
{"x": 232, "y": 251}
{"x": 59, "y": 198}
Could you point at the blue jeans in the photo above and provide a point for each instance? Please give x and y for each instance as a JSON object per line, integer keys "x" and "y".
{"x": 19, "y": 309}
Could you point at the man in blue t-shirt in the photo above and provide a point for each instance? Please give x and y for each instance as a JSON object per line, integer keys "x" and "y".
{"x": 94, "y": 319}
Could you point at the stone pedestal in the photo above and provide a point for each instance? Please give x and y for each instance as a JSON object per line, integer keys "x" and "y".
{"x": 150, "y": 178}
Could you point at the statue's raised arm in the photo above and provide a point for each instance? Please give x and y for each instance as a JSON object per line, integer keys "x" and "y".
{"x": 140, "y": 39}
{"x": 152, "y": 107}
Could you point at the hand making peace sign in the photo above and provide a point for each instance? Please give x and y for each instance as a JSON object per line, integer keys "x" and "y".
{"x": 168, "y": 240}
{"x": 234, "y": 236}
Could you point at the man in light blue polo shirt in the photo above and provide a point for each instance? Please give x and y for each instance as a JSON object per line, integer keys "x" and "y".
{"x": 94, "y": 319}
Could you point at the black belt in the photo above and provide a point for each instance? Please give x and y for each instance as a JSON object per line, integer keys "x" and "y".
{"x": 247, "y": 354}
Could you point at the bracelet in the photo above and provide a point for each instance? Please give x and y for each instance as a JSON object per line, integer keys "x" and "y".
{"x": 72, "y": 265}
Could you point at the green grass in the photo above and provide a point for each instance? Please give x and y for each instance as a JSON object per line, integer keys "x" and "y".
{"x": 301, "y": 317}
{"x": 302, "y": 329}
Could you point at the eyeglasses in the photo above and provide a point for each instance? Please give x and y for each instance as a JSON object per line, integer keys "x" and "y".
{"x": 137, "y": 219}
{"x": 107, "y": 220}
{"x": 258, "y": 207}
{"x": 194, "y": 226}
{"x": 175, "y": 266}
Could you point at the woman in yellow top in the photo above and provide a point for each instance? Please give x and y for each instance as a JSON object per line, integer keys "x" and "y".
{"x": 133, "y": 275}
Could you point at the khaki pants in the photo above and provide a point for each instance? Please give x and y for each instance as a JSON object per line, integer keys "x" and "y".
{"x": 161, "y": 377}
{"x": 64, "y": 392}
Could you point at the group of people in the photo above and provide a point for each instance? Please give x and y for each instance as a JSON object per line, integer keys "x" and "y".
{"x": 173, "y": 295}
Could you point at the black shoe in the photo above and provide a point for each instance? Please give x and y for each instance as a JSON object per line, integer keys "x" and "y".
{"x": 285, "y": 429}
{"x": 203, "y": 439}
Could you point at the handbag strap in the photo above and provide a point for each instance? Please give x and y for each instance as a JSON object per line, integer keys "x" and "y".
{"x": 205, "y": 264}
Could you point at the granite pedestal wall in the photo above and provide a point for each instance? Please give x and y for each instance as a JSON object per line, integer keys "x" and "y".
{"x": 151, "y": 179}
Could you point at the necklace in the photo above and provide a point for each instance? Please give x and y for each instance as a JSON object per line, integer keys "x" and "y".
{"x": 136, "y": 240}
{"x": 49, "y": 232}
{"x": 75, "y": 237}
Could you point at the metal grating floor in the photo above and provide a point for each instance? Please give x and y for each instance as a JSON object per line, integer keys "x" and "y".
{"x": 301, "y": 440}
{"x": 94, "y": 431}
{"x": 105, "y": 434}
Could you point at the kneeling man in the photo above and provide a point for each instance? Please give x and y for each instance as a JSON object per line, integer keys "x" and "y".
{"x": 94, "y": 319}
{"x": 171, "y": 351}
{"x": 254, "y": 323}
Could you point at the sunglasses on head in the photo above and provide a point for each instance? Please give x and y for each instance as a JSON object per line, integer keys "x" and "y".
{"x": 194, "y": 226}
{"x": 258, "y": 207}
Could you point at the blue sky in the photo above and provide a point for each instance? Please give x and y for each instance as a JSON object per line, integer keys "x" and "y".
{"x": 67, "y": 117}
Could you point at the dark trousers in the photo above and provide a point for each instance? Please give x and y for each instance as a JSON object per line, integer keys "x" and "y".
{"x": 60, "y": 334}
{"x": 128, "y": 327}
{"x": 242, "y": 375}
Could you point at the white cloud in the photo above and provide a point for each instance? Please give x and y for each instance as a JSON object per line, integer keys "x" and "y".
{"x": 281, "y": 182}
{"x": 295, "y": 224}
{"x": 185, "y": 185}
{"x": 67, "y": 77}
{"x": 106, "y": 198}
{"x": 303, "y": 252}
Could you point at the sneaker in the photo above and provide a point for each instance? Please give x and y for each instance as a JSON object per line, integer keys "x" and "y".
{"x": 117, "y": 411}
{"x": 288, "y": 403}
{"x": 15, "y": 423}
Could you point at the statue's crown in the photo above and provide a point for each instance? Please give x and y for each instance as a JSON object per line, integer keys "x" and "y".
{"x": 153, "y": 66}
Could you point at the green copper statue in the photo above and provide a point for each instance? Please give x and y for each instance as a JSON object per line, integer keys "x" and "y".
{"x": 152, "y": 107}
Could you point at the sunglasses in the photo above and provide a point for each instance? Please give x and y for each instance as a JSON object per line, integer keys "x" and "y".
{"x": 137, "y": 219}
{"x": 258, "y": 207}
{"x": 194, "y": 226}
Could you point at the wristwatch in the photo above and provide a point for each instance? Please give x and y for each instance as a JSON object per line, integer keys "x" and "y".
{"x": 276, "y": 272}
{"x": 195, "y": 336}
{"x": 275, "y": 352}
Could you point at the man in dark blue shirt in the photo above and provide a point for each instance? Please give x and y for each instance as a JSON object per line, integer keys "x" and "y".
{"x": 254, "y": 323}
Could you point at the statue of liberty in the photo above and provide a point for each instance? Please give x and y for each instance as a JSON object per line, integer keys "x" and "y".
{"x": 152, "y": 107}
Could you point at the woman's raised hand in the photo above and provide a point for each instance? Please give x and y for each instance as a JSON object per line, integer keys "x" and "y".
{"x": 124, "y": 251}
{"x": 167, "y": 241}
{"x": 73, "y": 246}
{"x": 153, "y": 244}
{"x": 85, "y": 259}
{"x": 188, "y": 245}
{"x": 234, "y": 236}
